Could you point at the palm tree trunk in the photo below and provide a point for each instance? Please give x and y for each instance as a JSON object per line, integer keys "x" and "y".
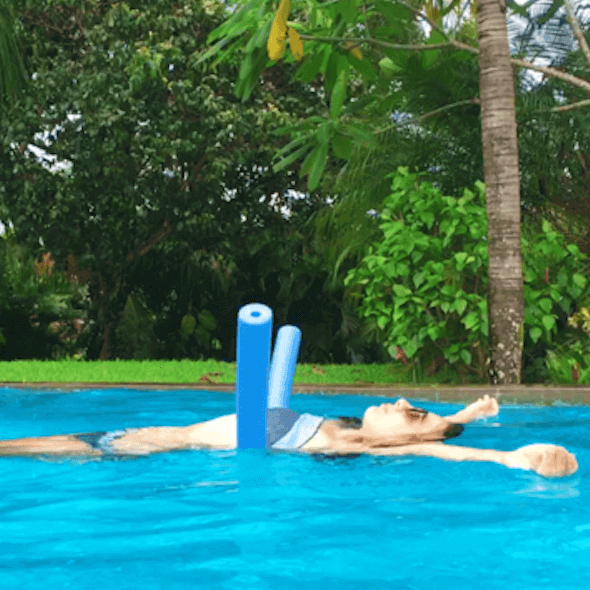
{"x": 501, "y": 176}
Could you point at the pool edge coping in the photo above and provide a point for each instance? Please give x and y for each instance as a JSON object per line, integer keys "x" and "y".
{"x": 530, "y": 394}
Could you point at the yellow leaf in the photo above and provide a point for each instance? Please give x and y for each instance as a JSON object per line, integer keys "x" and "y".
{"x": 283, "y": 12}
{"x": 295, "y": 43}
{"x": 276, "y": 40}
{"x": 354, "y": 50}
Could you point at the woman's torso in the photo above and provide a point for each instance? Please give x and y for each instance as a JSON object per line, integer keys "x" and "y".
{"x": 219, "y": 433}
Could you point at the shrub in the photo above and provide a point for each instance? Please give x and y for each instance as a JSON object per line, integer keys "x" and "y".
{"x": 424, "y": 283}
{"x": 34, "y": 301}
{"x": 135, "y": 337}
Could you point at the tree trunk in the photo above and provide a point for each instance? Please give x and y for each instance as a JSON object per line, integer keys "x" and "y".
{"x": 501, "y": 176}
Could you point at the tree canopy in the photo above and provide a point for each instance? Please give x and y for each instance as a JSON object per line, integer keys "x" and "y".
{"x": 159, "y": 149}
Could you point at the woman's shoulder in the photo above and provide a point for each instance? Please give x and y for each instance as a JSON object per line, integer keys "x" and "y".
{"x": 327, "y": 439}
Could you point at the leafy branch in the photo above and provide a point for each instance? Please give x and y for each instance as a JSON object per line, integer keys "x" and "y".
{"x": 547, "y": 70}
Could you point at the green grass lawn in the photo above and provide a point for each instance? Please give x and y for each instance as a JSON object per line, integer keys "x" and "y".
{"x": 187, "y": 371}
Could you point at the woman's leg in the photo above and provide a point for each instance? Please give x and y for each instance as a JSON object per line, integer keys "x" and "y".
{"x": 47, "y": 445}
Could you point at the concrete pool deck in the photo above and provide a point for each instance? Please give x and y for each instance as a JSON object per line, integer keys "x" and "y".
{"x": 509, "y": 394}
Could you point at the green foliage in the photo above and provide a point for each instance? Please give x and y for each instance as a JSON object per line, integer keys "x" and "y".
{"x": 554, "y": 281}
{"x": 34, "y": 295}
{"x": 158, "y": 142}
{"x": 424, "y": 282}
{"x": 196, "y": 334}
{"x": 12, "y": 72}
{"x": 447, "y": 142}
{"x": 581, "y": 317}
{"x": 136, "y": 338}
{"x": 346, "y": 78}
{"x": 135, "y": 73}
{"x": 569, "y": 363}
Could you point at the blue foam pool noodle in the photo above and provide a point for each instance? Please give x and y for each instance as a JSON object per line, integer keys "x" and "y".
{"x": 282, "y": 368}
{"x": 253, "y": 359}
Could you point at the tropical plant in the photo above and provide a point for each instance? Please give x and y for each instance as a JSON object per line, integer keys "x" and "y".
{"x": 36, "y": 304}
{"x": 334, "y": 28}
{"x": 447, "y": 144}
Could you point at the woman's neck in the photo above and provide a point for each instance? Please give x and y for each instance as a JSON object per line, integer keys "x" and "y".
{"x": 330, "y": 437}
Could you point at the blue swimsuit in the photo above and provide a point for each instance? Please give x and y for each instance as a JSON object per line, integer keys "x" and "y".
{"x": 287, "y": 430}
{"x": 101, "y": 440}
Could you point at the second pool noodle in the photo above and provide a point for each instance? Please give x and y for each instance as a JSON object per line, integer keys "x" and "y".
{"x": 282, "y": 368}
{"x": 257, "y": 389}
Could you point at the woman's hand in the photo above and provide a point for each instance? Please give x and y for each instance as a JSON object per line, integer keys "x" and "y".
{"x": 482, "y": 408}
{"x": 546, "y": 460}
{"x": 485, "y": 406}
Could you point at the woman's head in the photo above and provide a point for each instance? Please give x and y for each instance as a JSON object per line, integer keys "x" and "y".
{"x": 401, "y": 423}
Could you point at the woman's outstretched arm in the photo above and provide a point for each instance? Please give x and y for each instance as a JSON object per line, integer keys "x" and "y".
{"x": 482, "y": 408}
{"x": 546, "y": 460}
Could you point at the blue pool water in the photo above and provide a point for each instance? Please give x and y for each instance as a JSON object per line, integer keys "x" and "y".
{"x": 248, "y": 520}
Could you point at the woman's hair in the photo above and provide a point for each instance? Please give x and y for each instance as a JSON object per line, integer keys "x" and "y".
{"x": 453, "y": 430}
{"x": 350, "y": 422}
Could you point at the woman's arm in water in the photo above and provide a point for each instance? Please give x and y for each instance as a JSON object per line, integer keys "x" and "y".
{"x": 482, "y": 408}
{"x": 546, "y": 460}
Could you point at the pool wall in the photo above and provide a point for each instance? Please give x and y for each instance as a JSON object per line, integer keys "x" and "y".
{"x": 510, "y": 394}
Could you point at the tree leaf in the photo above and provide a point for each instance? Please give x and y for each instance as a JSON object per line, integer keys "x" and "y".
{"x": 311, "y": 66}
{"x": 388, "y": 67}
{"x": 259, "y": 37}
{"x": 246, "y": 67}
{"x": 283, "y": 13}
{"x": 319, "y": 164}
{"x": 348, "y": 10}
{"x": 361, "y": 134}
{"x": 342, "y": 146}
{"x": 324, "y": 132}
{"x": 466, "y": 356}
{"x": 519, "y": 9}
{"x": 535, "y": 333}
{"x": 291, "y": 158}
{"x": 332, "y": 71}
{"x": 295, "y": 43}
{"x": 364, "y": 67}
{"x": 207, "y": 320}
{"x": 450, "y": 7}
{"x": 276, "y": 40}
{"x": 354, "y": 49}
{"x": 579, "y": 280}
{"x": 392, "y": 12}
{"x": 557, "y": 4}
{"x": 339, "y": 91}
{"x": 306, "y": 166}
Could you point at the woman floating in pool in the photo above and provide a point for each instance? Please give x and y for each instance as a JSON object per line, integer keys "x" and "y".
{"x": 388, "y": 429}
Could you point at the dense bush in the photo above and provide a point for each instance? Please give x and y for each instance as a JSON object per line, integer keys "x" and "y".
{"x": 38, "y": 307}
{"x": 187, "y": 306}
{"x": 424, "y": 283}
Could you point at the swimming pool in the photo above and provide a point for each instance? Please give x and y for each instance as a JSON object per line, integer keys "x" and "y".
{"x": 229, "y": 521}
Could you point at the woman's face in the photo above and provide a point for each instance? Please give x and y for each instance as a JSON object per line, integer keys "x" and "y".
{"x": 403, "y": 421}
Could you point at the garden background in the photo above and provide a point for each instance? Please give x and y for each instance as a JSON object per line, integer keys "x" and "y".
{"x": 170, "y": 216}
